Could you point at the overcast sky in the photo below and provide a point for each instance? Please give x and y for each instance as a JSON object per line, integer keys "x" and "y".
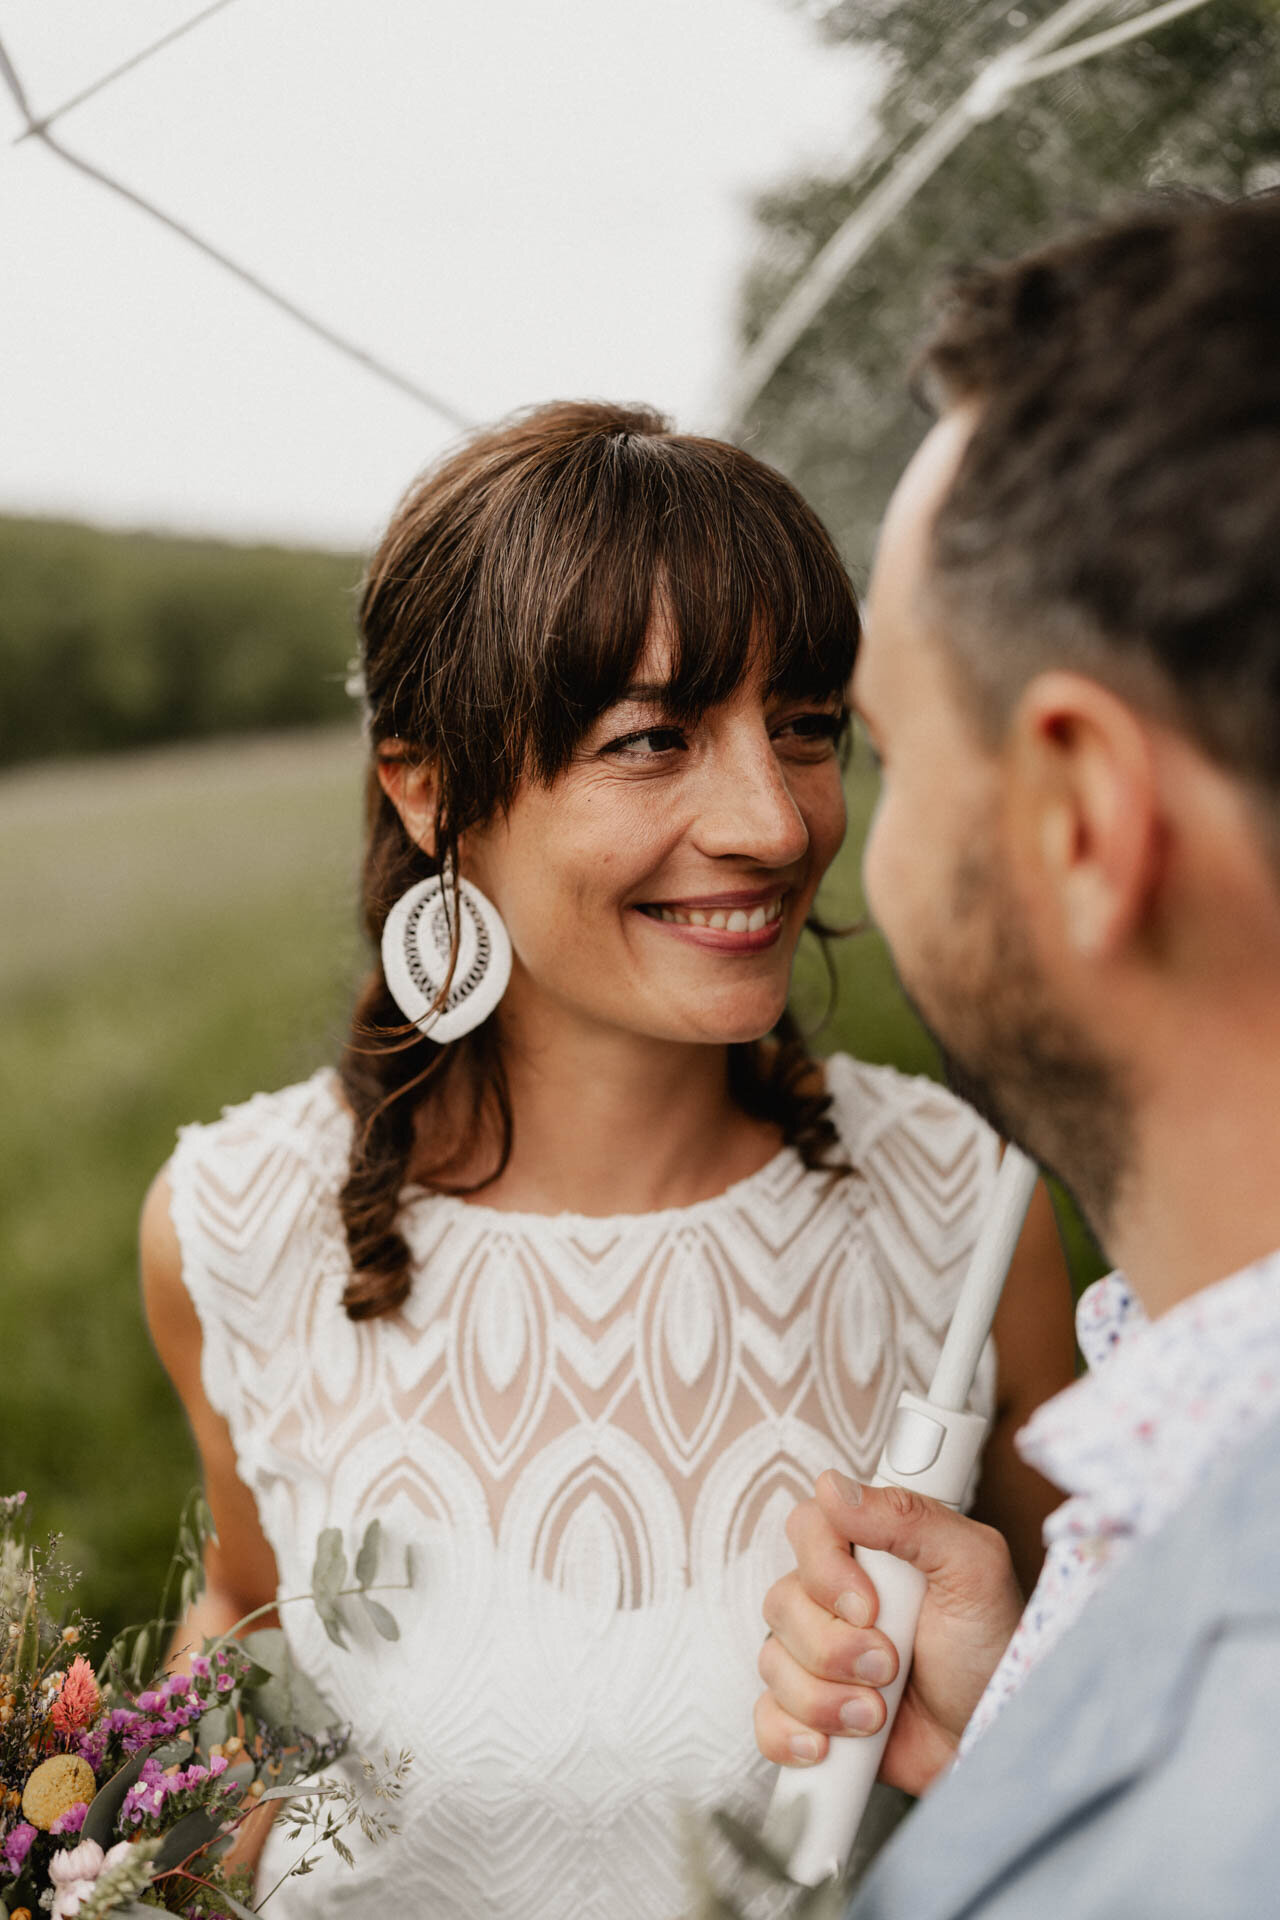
{"x": 510, "y": 199}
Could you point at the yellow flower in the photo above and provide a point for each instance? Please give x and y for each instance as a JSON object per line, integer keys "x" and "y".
{"x": 55, "y": 1785}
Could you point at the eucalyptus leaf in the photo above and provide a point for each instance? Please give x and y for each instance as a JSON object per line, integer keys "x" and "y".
{"x": 255, "y": 1674}
{"x": 827, "y": 1901}
{"x": 187, "y": 1836}
{"x": 329, "y": 1574}
{"x": 104, "y": 1808}
{"x": 292, "y": 1791}
{"x": 332, "y": 1622}
{"x": 213, "y": 1727}
{"x": 369, "y": 1554}
{"x": 287, "y": 1699}
{"x": 384, "y": 1622}
{"x": 136, "y": 1646}
{"x": 749, "y": 1846}
{"x": 291, "y": 1769}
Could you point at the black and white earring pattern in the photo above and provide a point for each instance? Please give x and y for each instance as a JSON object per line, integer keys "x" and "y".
{"x": 415, "y": 958}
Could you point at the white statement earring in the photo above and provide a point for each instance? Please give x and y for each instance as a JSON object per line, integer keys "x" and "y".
{"x": 415, "y": 958}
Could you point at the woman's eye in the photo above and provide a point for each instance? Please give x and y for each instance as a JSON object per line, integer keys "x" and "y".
{"x": 653, "y": 740}
{"x": 821, "y": 729}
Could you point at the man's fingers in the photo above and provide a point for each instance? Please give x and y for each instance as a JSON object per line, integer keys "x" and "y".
{"x": 957, "y": 1555}
{"x": 828, "y": 1571}
{"x": 787, "y": 1742}
{"x": 826, "y": 1647}
{"x": 811, "y": 1704}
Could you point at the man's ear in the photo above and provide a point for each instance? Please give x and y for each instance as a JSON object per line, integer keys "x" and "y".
{"x": 411, "y": 788}
{"x": 1086, "y": 809}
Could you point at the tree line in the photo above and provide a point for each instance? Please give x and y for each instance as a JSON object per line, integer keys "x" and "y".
{"x": 110, "y": 641}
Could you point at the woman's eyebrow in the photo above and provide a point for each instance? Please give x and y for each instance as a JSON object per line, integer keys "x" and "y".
{"x": 647, "y": 690}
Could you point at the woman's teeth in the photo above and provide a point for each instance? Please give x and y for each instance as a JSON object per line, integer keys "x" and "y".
{"x": 737, "y": 921}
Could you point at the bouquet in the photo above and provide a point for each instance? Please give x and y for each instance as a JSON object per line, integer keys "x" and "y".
{"x": 121, "y": 1786}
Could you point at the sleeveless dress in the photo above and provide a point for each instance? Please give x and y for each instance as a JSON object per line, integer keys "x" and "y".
{"x": 590, "y": 1433}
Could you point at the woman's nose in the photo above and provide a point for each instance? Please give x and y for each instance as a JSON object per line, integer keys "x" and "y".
{"x": 748, "y": 809}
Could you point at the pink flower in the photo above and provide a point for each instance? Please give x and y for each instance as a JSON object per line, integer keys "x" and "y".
{"x": 72, "y": 1820}
{"x": 78, "y": 1698}
{"x": 74, "y": 1873}
{"x": 17, "y": 1846}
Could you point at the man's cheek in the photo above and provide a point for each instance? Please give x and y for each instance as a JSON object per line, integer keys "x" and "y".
{"x": 877, "y": 865}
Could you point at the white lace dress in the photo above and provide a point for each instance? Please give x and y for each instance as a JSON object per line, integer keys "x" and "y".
{"x": 591, "y": 1431}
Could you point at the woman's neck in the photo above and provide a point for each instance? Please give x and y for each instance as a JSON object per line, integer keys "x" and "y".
{"x": 606, "y": 1122}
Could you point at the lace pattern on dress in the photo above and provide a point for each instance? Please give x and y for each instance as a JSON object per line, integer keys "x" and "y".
{"x": 590, "y": 1432}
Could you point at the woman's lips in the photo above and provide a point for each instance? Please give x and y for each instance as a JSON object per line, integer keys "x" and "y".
{"x": 731, "y": 923}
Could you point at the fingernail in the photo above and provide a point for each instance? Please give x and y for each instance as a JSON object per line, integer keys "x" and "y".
{"x": 875, "y": 1668}
{"x": 804, "y": 1748}
{"x": 849, "y": 1490}
{"x": 852, "y": 1607}
{"x": 859, "y": 1716}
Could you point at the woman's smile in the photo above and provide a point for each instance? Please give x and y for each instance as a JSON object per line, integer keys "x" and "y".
{"x": 744, "y": 922}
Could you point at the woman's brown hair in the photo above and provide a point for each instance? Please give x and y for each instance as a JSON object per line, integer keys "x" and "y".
{"x": 503, "y": 611}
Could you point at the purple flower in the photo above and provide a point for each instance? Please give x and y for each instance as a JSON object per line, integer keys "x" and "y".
{"x": 18, "y": 1844}
{"x": 72, "y": 1820}
{"x": 147, "y": 1794}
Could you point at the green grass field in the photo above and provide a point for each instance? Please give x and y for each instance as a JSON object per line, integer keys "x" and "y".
{"x": 181, "y": 932}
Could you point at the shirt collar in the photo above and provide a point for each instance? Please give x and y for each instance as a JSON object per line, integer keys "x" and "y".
{"x": 1163, "y": 1400}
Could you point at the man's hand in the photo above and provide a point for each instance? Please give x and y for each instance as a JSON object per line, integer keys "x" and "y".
{"x": 823, "y": 1642}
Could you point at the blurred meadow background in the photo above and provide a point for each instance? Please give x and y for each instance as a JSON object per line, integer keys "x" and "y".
{"x": 180, "y": 770}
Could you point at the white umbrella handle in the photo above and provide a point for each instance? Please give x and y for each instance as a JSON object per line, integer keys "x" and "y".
{"x": 934, "y": 1449}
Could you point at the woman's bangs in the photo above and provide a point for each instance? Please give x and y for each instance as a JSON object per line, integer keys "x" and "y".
{"x": 749, "y": 591}
{"x": 695, "y": 542}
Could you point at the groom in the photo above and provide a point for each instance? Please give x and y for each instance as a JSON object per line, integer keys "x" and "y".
{"x": 1072, "y": 673}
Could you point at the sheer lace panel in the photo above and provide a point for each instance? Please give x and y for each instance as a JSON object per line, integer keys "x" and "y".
{"x": 589, "y": 1433}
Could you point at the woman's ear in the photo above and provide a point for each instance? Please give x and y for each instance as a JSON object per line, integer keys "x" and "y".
{"x": 411, "y": 788}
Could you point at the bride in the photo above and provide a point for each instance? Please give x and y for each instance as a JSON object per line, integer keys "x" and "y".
{"x": 576, "y": 1284}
